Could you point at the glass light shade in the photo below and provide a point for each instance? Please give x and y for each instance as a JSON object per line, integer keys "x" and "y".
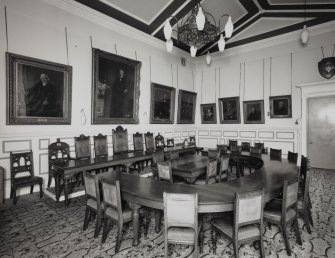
{"x": 208, "y": 58}
{"x": 200, "y": 19}
{"x": 169, "y": 45}
{"x": 193, "y": 51}
{"x": 167, "y": 30}
{"x": 229, "y": 27}
{"x": 221, "y": 43}
{"x": 304, "y": 36}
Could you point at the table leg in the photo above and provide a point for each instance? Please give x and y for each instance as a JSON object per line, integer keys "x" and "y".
{"x": 57, "y": 186}
{"x": 201, "y": 233}
{"x": 136, "y": 221}
{"x": 66, "y": 192}
{"x": 158, "y": 216}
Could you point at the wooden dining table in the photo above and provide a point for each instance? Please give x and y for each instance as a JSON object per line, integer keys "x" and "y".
{"x": 140, "y": 191}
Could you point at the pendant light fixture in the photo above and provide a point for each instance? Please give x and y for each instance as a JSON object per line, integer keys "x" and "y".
{"x": 304, "y": 35}
{"x": 208, "y": 58}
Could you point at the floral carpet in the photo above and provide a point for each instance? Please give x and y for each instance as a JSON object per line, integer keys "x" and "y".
{"x": 42, "y": 228}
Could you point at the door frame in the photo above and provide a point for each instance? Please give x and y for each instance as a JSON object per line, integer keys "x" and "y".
{"x": 311, "y": 90}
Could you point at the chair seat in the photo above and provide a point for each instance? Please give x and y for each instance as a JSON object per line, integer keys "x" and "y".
{"x": 274, "y": 213}
{"x": 93, "y": 204}
{"x": 202, "y": 181}
{"x": 126, "y": 213}
{"x": 225, "y": 225}
{"x": 27, "y": 180}
{"x": 181, "y": 235}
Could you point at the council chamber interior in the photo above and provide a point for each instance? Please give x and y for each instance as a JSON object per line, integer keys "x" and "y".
{"x": 167, "y": 128}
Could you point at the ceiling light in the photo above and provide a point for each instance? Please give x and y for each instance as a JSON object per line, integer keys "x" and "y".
{"x": 208, "y": 58}
{"x": 169, "y": 45}
{"x": 304, "y": 35}
{"x": 199, "y": 28}
{"x": 193, "y": 51}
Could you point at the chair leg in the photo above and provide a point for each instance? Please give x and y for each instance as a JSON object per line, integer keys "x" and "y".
{"x": 145, "y": 225}
{"x": 105, "y": 230}
{"x": 97, "y": 224}
{"x": 286, "y": 241}
{"x": 14, "y": 196}
{"x": 214, "y": 239}
{"x": 158, "y": 216}
{"x": 11, "y": 192}
{"x": 297, "y": 231}
{"x": 235, "y": 244}
{"x": 31, "y": 189}
{"x": 49, "y": 180}
{"x": 166, "y": 246}
{"x": 119, "y": 237}
{"x": 261, "y": 242}
{"x": 86, "y": 219}
{"x": 41, "y": 190}
{"x": 309, "y": 213}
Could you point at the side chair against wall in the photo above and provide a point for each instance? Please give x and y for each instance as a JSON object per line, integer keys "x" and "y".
{"x": 115, "y": 212}
{"x": 245, "y": 146}
{"x": 82, "y": 147}
{"x": 286, "y": 213}
{"x": 169, "y": 142}
{"x": 181, "y": 220}
{"x": 243, "y": 225}
{"x": 120, "y": 140}
{"x": 2, "y": 185}
{"x": 100, "y": 146}
{"x": 159, "y": 141}
{"x": 22, "y": 173}
{"x": 259, "y": 145}
{"x": 232, "y": 143}
{"x": 139, "y": 147}
{"x": 192, "y": 142}
{"x": 58, "y": 152}
{"x": 292, "y": 157}
{"x": 149, "y": 142}
{"x": 275, "y": 154}
{"x": 253, "y": 164}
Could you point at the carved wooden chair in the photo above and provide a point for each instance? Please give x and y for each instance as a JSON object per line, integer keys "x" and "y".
{"x": 115, "y": 212}
{"x": 169, "y": 142}
{"x": 243, "y": 225}
{"x": 259, "y": 145}
{"x": 82, "y": 147}
{"x": 100, "y": 145}
{"x": 159, "y": 141}
{"x": 138, "y": 141}
{"x": 22, "y": 173}
{"x": 292, "y": 157}
{"x": 232, "y": 143}
{"x": 275, "y": 154}
{"x": 253, "y": 164}
{"x": 222, "y": 148}
{"x": 192, "y": 142}
{"x": 120, "y": 140}
{"x": 211, "y": 173}
{"x": 181, "y": 220}
{"x": 286, "y": 213}
{"x": 149, "y": 142}
{"x": 245, "y": 146}
{"x": 58, "y": 152}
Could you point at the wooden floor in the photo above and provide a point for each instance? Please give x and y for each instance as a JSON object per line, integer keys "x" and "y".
{"x": 42, "y": 228}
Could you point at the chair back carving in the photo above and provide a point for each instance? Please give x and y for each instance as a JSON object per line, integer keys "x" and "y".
{"x": 165, "y": 171}
{"x": 21, "y": 165}
{"x": 192, "y": 142}
{"x": 174, "y": 155}
{"x": 82, "y": 146}
{"x": 275, "y": 154}
{"x": 213, "y": 154}
{"x": 120, "y": 140}
{"x": 292, "y": 157}
{"x": 256, "y": 150}
{"x": 181, "y": 210}
{"x": 112, "y": 198}
{"x": 100, "y": 145}
{"x": 169, "y": 142}
{"x": 59, "y": 152}
{"x": 245, "y": 146}
{"x": 236, "y": 149}
{"x": 149, "y": 142}
{"x": 232, "y": 143}
{"x": 157, "y": 156}
{"x": 159, "y": 141}
{"x": 211, "y": 175}
{"x": 138, "y": 141}
{"x": 249, "y": 208}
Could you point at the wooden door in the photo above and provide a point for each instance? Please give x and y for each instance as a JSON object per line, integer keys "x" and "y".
{"x": 321, "y": 132}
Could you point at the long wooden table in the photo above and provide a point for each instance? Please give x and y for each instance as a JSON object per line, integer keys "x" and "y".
{"x": 66, "y": 171}
{"x": 139, "y": 191}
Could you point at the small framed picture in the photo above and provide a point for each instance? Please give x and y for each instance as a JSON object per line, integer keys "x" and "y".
{"x": 186, "y": 107}
{"x": 229, "y": 110}
{"x": 162, "y": 104}
{"x": 208, "y": 113}
{"x": 281, "y": 107}
{"x": 253, "y": 112}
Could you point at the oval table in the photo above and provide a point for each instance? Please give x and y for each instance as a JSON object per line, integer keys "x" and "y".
{"x": 140, "y": 191}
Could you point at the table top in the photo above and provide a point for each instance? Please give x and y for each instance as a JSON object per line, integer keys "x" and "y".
{"x": 217, "y": 197}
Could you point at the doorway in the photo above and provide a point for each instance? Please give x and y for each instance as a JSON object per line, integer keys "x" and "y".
{"x": 321, "y": 131}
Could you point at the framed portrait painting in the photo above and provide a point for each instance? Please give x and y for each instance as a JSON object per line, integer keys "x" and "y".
{"x": 115, "y": 89}
{"x": 229, "y": 109}
{"x": 38, "y": 91}
{"x": 281, "y": 107}
{"x": 186, "y": 107}
{"x": 162, "y": 104}
{"x": 253, "y": 112}
{"x": 208, "y": 113}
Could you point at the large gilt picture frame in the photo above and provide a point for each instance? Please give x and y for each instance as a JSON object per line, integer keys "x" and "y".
{"x": 186, "y": 107}
{"x": 229, "y": 109}
{"x": 208, "y": 113}
{"x": 115, "y": 89}
{"x": 281, "y": 107}
{"x": 162, "y": 104}
{"x": 253, "y": 112}
{"x": 38, "y": 91}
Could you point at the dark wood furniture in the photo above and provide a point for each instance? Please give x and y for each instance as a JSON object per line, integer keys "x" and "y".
{"x": 82, "y": 147}
{"x": 232, "y": 143}
{"x": 165, "y": 171}
{"x": 173, "y": 155}
{"x": 275, "y": 154}
{"x": 22, "y": 173}
{"x": 243, "y": 225}
{"x": 2, "y": 185}
{"x": 214, "y": 153}
{"x": 149, "y": 142}
{"x": 120, "y": 140}
{"x": 224, "y": 165}
{"x": 58, "y": 152}
{"x": 304, "y": 206}
{"x": 222, "y": 148}
{"x": 245, "y": 146}
{"x": 292, "y": 157}
{"x": 159, "y": 141}
{"x": 211, "y": 173}
{"x": 192, "y": 142}
{"x": 100, "y": 145}
{"x": 169, "y": 142}
{"x": 138, "y": 141}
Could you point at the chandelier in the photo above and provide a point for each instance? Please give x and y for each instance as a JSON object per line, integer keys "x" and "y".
{"x": 197, "y": 29}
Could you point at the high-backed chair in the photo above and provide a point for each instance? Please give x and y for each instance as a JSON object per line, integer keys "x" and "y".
{"x": 169, "y": 142}
{"x": 100, "y": 146}
{"x": 213, "y": 153}
{"x": 192, "y": 142}
{"x": 259, "y": 145}
{"x": 138, "y": 141}
{"x": 224, "y": 165}
{"x": 304, "y": 206}
{"x": 211, "y": 173}
{"x": 286, "y": 213}
{"x": 58, "y": 152}
{"x": 254, "y": 164}
{"x": 236, "y": 149}
{"x": 115, "y": 212}
{"x": 275, "y": 154}
{"x": 159, "y": 141}
{"x": 120, "y": 140}
{"x": 149, "y": 142}
{"x": 245, "y": 146}
{"x": 292, "y": 157}
{"x": 173, "y": 155}
{"x": 165, "y": 171}
{"x": 245, "y": 224}
{"x": 255, "y": 151}
{"x": 232, "y": 143}
{"x": 222, "y": 148}
{"x": 93, "y": 201}
{"x": 22, "y": 173}
{"x": 181, "y": 220}
{"x": 82, "y": 147}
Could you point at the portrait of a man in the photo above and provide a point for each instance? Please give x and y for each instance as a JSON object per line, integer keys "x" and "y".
{"x": 186, "y": 107}
{"x": 253, "y": 112}
{"x": 208, "y": 113}
{"x": 280, "y": 107}
{"x": 162, "y": 104}
{"x": 115, "y": 89}
{"x": 229, "y": 110}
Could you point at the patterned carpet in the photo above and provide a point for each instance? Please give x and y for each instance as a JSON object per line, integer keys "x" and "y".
{"x": 42, "y": 228}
